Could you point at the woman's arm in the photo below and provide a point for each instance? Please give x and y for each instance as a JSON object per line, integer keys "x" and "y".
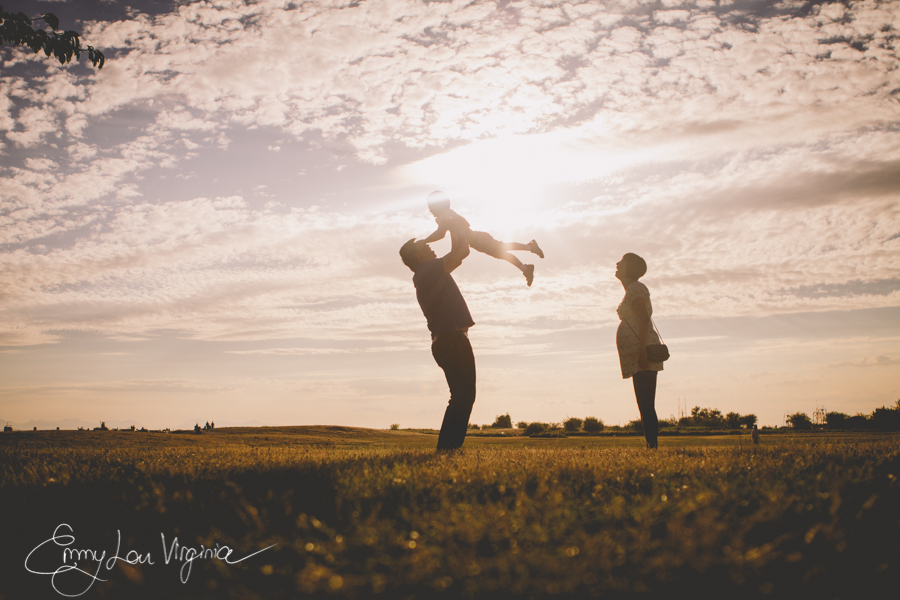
{"x": 643, "y": 316}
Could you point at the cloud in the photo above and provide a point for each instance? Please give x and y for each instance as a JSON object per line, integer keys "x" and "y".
{"x": 867, "y": 361}
{"x": 445, "y": 72}
{"x": 315, "y": 351}
{"x": 750, "y": 156}
{"x": 134, "y": 385}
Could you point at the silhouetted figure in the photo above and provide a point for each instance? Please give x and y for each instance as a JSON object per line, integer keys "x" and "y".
{"x": 206, "y": 427}
{"x": 448, "y": 320}
{"x": 632, "y": 338}
{"x": 439, "y": 205}
{"x": 212, "y": 425}
{"x": 197, "y": 428}
{"x": 754, "y": 435}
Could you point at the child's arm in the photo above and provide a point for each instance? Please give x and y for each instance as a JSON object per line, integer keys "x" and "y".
{"x": 438, "y": 234}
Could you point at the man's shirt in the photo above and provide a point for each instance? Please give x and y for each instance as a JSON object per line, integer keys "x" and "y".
{"x": 440, "y": 299}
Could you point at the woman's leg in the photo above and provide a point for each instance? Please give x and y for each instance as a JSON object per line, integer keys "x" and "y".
{"x": 645, "y": 392}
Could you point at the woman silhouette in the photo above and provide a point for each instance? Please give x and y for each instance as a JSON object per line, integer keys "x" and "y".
{"x": 632, "y": 337}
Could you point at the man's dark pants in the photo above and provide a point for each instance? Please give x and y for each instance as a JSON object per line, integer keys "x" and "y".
{"x": 453, "y": 354}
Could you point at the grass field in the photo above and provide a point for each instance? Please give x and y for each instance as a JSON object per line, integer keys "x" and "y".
{"x": 355, "y": 513}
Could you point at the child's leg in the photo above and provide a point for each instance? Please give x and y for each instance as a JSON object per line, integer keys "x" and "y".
{"x": 483, "y": 242}
{"x": 515, "y": 246}
{"x": 500, "y": 247}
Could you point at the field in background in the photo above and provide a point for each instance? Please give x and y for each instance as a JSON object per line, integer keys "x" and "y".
{"x": 359, "y": 513}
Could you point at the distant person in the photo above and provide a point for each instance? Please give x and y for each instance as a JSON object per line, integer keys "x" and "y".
{"x": 754, "y": 435}
{"x": 448, "y": 320}
{"x": 439, "y": 205}
{"x": 632, "y": 338}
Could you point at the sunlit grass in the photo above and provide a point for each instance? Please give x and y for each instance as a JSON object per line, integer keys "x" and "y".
{"x": 792, "y": 516}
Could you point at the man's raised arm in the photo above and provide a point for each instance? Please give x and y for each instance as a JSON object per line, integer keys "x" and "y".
{"x": 459, "y": 245}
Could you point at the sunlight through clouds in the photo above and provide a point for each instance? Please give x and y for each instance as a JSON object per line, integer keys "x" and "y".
{"x": 231, "y": 190}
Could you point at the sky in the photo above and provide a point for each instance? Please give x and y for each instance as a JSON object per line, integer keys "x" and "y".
{"x": 208, "y": 227}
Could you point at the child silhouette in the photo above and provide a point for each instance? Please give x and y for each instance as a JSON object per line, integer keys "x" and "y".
{"x": 439, "y": 205}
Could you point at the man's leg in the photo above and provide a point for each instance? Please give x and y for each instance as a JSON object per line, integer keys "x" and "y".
{"x": 645, "y": 392}
{"x": 453, "y": 353}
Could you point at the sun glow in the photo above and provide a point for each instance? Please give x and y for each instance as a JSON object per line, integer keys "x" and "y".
{"x": 507, "y": 180}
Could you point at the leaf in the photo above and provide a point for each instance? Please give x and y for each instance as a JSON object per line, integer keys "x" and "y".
{"x": 51, "y": 20}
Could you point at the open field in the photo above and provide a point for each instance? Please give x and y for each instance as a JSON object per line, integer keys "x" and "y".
{"x": 358, "y": 513}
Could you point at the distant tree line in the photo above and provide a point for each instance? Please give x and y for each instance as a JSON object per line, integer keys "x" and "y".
{"x": 881, "y": 419}
{"x": 712, "y": 418}
{"x": 701, "y": 418}
{"x": 570, "y": 425}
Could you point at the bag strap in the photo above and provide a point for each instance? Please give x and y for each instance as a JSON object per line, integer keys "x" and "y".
{"x": 654, "y": 327}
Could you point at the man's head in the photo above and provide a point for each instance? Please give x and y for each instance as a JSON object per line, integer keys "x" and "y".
{"x": 415, "y": 252}
{"x": 438, "y": 202}
{"x": 631, "y": 266}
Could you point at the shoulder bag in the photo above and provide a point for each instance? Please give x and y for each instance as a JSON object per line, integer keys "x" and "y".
{"x": 656, "y": 353}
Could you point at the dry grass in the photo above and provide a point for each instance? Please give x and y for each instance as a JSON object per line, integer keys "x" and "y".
{"x": 358, "y": 513}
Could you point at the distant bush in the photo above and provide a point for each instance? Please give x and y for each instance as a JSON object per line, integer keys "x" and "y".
{"x": 635, "y": 425}
{"x": 857, "y": 421}
{"x": 395, "y": 426}
{"x": 835, "y": 420}
{"x": 502, "y": 422}
{"x": 800, "y": 421}
{"x": 735, "y": 420}
{"x": 572, "y": 424}
{"x": 521, "y": 424}
{"x": 884, "y": 419}
{"x": 592, "y": 424}
{"x": 712, "y": 418}
{"x": 474, "y": 426}
{"x": 535, "y": 428}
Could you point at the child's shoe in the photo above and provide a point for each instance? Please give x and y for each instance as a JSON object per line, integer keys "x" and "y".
{"x": 528, "y": 272}
{"x": 532, "y": 245}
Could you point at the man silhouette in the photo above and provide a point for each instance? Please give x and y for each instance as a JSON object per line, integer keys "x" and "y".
{"x": 448, "y": 320}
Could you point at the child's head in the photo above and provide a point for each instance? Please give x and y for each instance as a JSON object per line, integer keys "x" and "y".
{"x": 438, "y": 202}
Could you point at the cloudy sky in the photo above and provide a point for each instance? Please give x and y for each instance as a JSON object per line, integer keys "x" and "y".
{"x": 207, "y": 228}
